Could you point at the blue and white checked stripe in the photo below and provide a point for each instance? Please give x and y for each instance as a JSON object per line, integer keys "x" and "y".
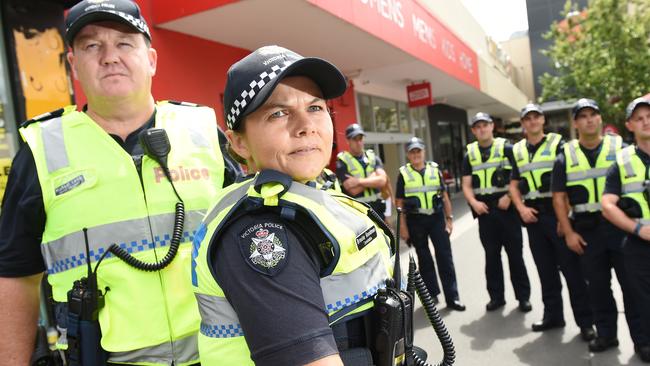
{"x": 222, "y": 331}
{"x": 134, "y": 246}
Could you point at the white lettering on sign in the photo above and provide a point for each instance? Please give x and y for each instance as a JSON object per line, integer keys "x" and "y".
{"x": 466, "y": 63}
{"x": 448, "y": 49}
{"x": 424, "y": 32}
{"x": 418, "y": 94}
{"x": 389, "y": 9}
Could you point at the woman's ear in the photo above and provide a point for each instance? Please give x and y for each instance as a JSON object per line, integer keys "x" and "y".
{"x": 239, "y": 144}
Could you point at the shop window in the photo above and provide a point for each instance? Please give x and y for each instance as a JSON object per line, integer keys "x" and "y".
{"x": 365, "y": 112}
{"x": 403, "y": 116}
{"x": 385, "y": 112}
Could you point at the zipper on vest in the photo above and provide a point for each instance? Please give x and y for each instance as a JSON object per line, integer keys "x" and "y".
{"x": 137, "y": 161}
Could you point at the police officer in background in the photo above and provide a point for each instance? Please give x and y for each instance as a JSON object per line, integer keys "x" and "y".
{"x": 486, "y": 175}
{"x": 284, "y": 272}
{"x": 360, "y": 171}
{"x": 530, "y": 189}
{"x": 577, "y": 183}
{"x": 422, "y": 195}
{"x": 626, "y": 204}
{"x": 85, "y": 170}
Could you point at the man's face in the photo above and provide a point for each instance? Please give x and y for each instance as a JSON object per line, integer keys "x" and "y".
{"x": 639, "y": 123}
{"x": 291, "y": 132}
{"x": 533, "y": 123}
{"x": 416, "y": 156}
{"x": 482, "y": 130}
{"x": 588, "y": 122}
{"x": 356, "y": 145}
{"x": 112, "y": 61}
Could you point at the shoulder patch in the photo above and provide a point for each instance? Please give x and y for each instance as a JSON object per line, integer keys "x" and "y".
{"x": 264, "y": 247}
{"x": 186, "y": 104}
{"x": 44, "y": 117}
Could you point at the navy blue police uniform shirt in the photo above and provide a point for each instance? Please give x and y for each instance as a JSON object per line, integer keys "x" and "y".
{"x": 613, "y": 180}
{"x": 466, "y": 168}
{"x": 342, "y": 170}
{"x": 270, "y": 274}
{"x": 558, "y": 179}
{"x": 22, "y": 221}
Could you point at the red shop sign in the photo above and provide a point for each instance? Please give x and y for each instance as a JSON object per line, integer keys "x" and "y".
{"x": 419, "y": 95}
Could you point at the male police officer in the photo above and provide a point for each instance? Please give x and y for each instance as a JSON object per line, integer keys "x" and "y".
{"x": 486, "y": 173}
{"x": 577, "y": 183}
{"x": 530, "y": 189}
{"x": 421, "y": 193}
{"x": 84, "y": 174}
{"x": 361, "y": 172}
{"x": 626, "y": 204}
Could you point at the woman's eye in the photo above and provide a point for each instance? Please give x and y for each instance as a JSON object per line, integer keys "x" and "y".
{"x": 278, "y": 114}
{"x": 315, "y": 108}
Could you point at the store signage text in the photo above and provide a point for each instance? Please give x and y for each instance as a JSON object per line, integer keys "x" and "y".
{"x": 409, "y": 26}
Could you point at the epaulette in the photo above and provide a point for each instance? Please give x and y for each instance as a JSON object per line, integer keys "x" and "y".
{"x": 44, "y": 117}
{"x": 186, "y": 104}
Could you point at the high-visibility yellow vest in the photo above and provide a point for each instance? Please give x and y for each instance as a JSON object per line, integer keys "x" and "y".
{"x": 426, "y": 189}
{"x": 484, "y": 171}
{"x": 634, "y": 174}
{"x": 531, "y": 170}
{"x": 89, "y": 181}
{"x": 579, "y": 173}
{"x": 356, "y": 170}
{"x": 348, "y": 284}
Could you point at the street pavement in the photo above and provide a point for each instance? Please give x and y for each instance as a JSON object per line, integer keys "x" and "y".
{"x": 504, "y": 337}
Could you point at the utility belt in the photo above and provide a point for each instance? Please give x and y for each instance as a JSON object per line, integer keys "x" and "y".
{"x": 411, "y": 206}
{"x": 541, "y": 205}
{"x": 587, "y": 221}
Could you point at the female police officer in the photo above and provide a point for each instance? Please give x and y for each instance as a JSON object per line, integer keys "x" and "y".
{"x": 283, "y": 271}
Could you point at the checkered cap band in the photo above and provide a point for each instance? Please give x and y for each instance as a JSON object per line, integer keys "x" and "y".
{"x": 255, "y": 86}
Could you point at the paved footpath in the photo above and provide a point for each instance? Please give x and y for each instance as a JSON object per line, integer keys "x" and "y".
{"x": 503, "y": 337}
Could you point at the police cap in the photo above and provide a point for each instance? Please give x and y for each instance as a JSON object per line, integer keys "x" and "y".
{"x": 353, "y": 131}
{"x": 530, "y": 107}
{"x": 583, "y": 103}
{"x": 93, "y": 11}
{"x": 480, "y": 116}
{"x": 634, "y": 104}
{"x": 251, "y": 80}
{"x": 415, "y": 143}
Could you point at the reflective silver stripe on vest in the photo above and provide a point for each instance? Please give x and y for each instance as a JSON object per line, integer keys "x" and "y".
{"x": 367, "y": 199}
{"x": 574, "y": 154}
{"x": 586, "y": 174}
{"x": 178, "y": 352}
{"x": 350, "y": 164}
{"x": 587, "y": 207}
{"x": 422, "y": 189}
{"x": 519, "y": 150}
{"x": 336, "y": 209}
{"x": 228, "y": 200}
{"x": 627, "y": 164}
{"x": 498, "y": 145}
{"x": 549, "y": 142}
{"x": 489, "y": 190}
{"x": 69, "y": 251}
{"x": 56, "y": 156}
{"x": 408, "y": 173}
{"x": 484, "y": 166}
{"x": 537, "y": 194}
{"x": 218, "y": 318}
{"x": 433, "y": 167}
{"x": 644, "y": 221}
{"x": 341, "y": 290}
{"x": 472, "y": 152}
{"x": 611, "y": 154}
{"x": 535, "y": 166}
{"x": 422, "y": 211}
{"x": 634, "y": 187}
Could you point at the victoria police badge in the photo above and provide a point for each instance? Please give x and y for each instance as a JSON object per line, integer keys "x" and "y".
{"x": 264, "y": 246}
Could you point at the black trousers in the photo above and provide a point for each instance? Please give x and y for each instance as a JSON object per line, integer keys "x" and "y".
{"x": 421, "y": 228}
{"x": 551, "y": 256}
{"x": 502, "y": 229}
{"x": 604, "y": 252}
{"x": 636, "y": 255}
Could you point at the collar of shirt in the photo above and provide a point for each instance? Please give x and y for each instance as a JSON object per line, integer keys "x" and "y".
{"x": 131, "y": 144}
{"x": 645, "y": 158}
